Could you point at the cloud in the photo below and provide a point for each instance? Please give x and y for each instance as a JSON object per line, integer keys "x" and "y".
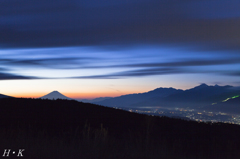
{"x": 173, "y": 67}
{"x": 232, "y": 73}
{"x": 134, "y": 70}
{"x": 135, "y": 73}
{"x": 190, "y": 62}
{"x": 155, "y": 71}
{"x": 92, "y": 63}
{"x": 179, "y": 63}
{"x": 76, "y": 23}
{"x": 8, "y": 76}
{"x": 54, "y": 63}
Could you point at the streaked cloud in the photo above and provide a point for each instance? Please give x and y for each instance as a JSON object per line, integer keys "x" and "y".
{"x": 157, "y": 71}
{"x": 111, "y": 63}
{"x": 54, "y": 63}
{"x": 8, "y": 76}
{"x": 78, "y": 23}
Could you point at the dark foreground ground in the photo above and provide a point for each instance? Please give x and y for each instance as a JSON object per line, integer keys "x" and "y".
{"x": 55, "y": 129}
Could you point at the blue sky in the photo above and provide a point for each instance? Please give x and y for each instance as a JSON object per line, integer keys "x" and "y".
{"x": 93, "y": 48}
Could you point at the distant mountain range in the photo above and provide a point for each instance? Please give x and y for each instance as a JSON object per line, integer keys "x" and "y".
{"x": 55, "y": 95}
{"x": 94, "y": 100}
{"x": 131, "y": 99}
{"x": 196, "y": 97}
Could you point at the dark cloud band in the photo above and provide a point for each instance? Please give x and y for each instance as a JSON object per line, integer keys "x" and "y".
{"x": 76, "y": 23}
{"x": 8, "y": 76}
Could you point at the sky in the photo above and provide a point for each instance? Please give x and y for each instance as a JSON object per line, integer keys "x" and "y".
{"x": 89, "y": 49}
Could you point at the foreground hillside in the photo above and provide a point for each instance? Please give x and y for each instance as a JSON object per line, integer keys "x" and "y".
{"x": 71, "y": 129}
{"x": 4, "y": 96}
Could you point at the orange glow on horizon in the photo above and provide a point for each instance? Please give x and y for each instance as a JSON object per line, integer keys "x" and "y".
{"x": 72, "y": 95}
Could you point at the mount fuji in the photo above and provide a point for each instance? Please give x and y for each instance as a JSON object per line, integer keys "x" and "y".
{"x": 55, "y": 95}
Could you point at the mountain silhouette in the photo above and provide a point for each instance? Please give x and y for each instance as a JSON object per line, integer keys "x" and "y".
{"x": 195, "y": 97}
{"x": 4, "y": 96}
{"x": 131, "y": 99}
{"x": 55, "y": 95}
{"x": 93, "y": 100}
{"x": 198, "y": 96}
